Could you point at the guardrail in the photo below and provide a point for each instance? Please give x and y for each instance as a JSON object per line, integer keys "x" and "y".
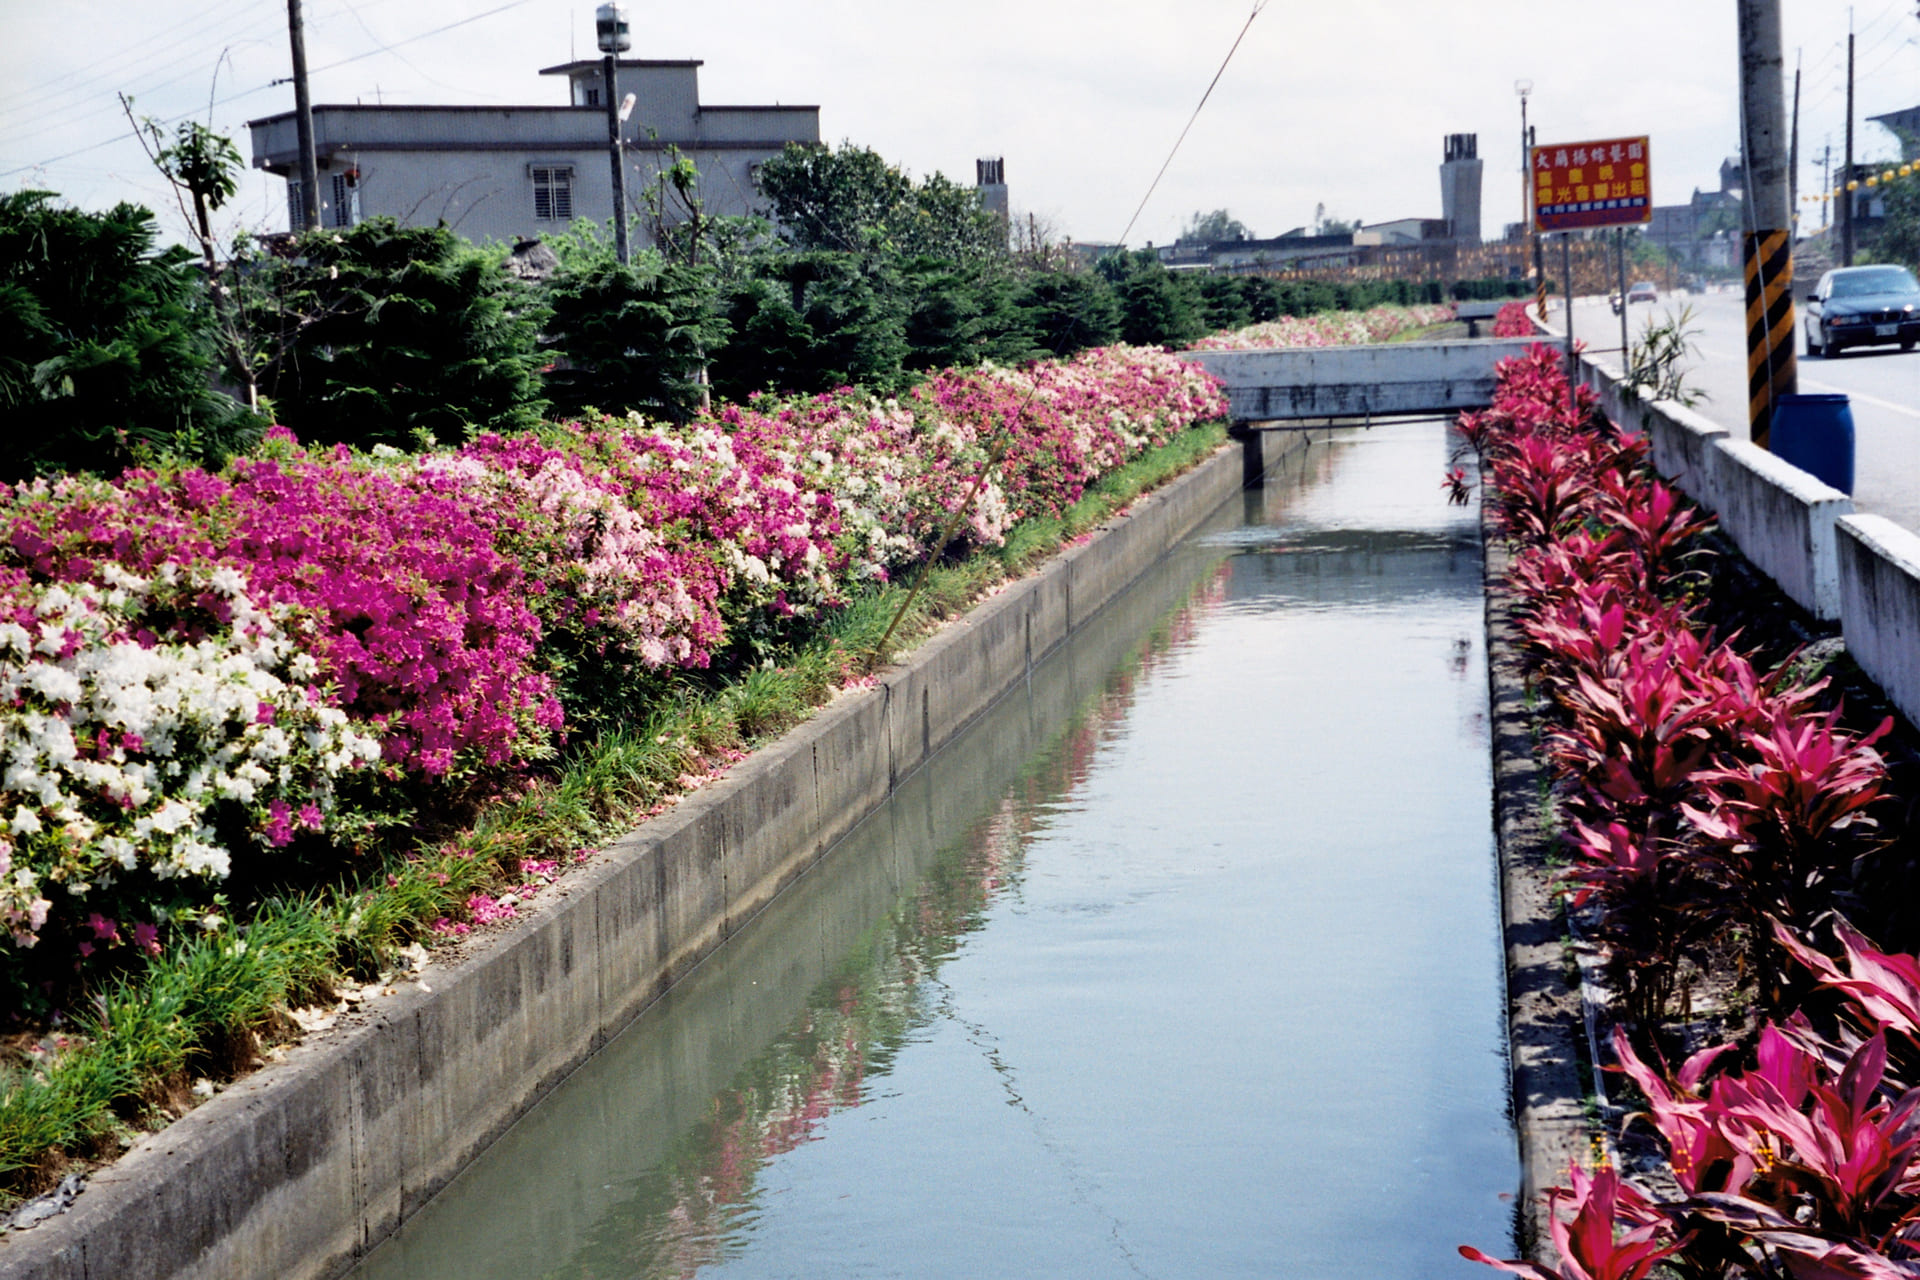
{"x": 1862, "y": 571}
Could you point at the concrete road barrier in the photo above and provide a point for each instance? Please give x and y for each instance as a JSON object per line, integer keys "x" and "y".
{"x": 1879, "y": 563}
{"x": 1782, "y": 519}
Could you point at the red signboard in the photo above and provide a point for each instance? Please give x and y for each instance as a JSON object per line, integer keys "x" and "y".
{"x": 1591, "y": 184}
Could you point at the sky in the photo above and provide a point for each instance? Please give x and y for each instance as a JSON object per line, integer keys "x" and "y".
{"x": 1343, "y": 105}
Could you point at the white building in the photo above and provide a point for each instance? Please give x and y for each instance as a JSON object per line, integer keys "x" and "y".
{"x": 508, "y": 173}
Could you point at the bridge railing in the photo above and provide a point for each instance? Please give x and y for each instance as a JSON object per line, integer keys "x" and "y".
{"x": 1275, "y": 388}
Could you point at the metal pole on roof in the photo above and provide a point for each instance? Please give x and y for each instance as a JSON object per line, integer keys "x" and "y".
{"x": 610, "y": 27}
{"x": 303, "y": 124}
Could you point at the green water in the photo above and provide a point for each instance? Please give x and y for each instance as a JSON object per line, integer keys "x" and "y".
{"x": 1183, "y": 962}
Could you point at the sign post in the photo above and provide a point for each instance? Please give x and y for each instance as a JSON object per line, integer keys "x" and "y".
{"x": 1581, "y": 185}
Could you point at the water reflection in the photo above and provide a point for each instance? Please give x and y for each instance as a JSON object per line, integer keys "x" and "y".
{"x": 1184, "y": 962}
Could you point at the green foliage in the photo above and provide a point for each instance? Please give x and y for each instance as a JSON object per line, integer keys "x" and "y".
{"x": 390, "y": 335}
{"x": 634, "y": 336}
{"x": 814, "y": 321}
{"x": 1069, "y": 311}
{"x": 850, "y": 200}
{"x": 1900, "y": 235}
{"x": 107, "y": 346}
{"x": 1157, "y": 308}
{"x": 1215, "y": 227}
{"x": 960, "y": 315}
{"x": 1224, "y": 303}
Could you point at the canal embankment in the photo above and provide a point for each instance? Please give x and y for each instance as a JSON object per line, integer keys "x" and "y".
{"x": 299, "y": 1169}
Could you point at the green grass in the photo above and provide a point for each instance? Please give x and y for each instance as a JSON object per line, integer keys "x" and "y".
{"x": 204, "y": 1007}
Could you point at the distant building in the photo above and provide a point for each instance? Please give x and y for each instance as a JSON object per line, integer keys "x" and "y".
{"x": 1460, "y": 188}
{"x": 1904, "y": 125}
{"x": 1706, "y": 230}
{"x": 511, "y": 173}
{"x": 990, "y": 179}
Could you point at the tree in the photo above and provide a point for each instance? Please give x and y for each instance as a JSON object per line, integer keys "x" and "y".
{"x": 1214, "y": 228}
{"x": 850, "y": 200}
{"x": 634, "y": 336}
{"x": 394, "y": 335}
{"x": 1900, "y": 235}
{"x": 1069, "y": 311}
{"x": 815, "y": 321}
{"x": 107, "y": 346}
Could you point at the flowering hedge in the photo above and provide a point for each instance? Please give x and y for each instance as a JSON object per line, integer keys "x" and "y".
{"x": 192, "y": 662}
{"x": 1708, "y": 803}
{"x": 1328, "y": 329}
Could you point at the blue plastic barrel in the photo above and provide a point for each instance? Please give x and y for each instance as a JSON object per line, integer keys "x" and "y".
{"x": 1815, "y": 434}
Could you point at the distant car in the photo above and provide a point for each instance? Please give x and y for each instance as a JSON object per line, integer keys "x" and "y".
{"x": 1863, "y": 307}
{"x": 1643, "y": 291}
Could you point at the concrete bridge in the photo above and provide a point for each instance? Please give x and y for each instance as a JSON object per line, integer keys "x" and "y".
{"x": 1280, "y": 387}
{"x": 1293, "y": 388}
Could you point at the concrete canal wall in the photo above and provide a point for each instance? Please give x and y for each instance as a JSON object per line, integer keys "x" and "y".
{"x": 1862, "y": 571}
{"x": 300, "y": 1169}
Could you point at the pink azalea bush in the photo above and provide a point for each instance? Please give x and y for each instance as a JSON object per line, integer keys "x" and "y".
{"x": 1329, "y": 329}
{"x": 193, "y": 662}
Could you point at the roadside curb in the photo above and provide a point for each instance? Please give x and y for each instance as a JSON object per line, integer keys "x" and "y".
{"x": 1545, "y": 1020}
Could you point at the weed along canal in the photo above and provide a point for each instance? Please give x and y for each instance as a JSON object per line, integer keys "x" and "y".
{"x": 1183, "y": 961}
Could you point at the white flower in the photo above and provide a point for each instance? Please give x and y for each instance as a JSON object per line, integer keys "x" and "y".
{"x": 227, "y": 580}
{"x": 25, "y": 822}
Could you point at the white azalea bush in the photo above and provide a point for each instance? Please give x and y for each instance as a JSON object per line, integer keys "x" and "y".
{"x": 148, "y": 725}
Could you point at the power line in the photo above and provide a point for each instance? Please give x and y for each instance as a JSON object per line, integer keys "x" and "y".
{"x": 1261, "y": 4}
{"x": 245, "y": 93}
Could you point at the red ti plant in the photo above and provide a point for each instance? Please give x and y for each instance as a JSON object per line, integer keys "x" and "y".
{"x": 1591, "y": 1243}
{"x": 1881, "y": 988}
{"x": 1544, "y": 489}
{"x": 1658, "y": 524}
{"x": 1779, "y": 815}
{"x": 1657, "y": 910}
{"x": 1789, "y": 1147}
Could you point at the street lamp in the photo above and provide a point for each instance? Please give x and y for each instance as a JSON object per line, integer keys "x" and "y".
{"x": 1524, "y": 88}
{"x": 610, "y": 28}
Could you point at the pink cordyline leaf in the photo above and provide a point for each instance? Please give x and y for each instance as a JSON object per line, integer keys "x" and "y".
{"x": 1884, "y": 986}
{"x": 1591, "y": 1241}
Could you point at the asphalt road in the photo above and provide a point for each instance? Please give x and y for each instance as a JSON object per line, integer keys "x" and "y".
{"x": 1882, "y": 384}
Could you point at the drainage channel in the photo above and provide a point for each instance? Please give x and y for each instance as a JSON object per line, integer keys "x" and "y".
{"x": 1183, "y": 961}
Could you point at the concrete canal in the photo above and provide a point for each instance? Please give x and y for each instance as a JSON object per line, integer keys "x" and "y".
{"x": 1184, "y": 961}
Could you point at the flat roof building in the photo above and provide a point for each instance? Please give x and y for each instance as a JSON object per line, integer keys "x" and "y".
{"x": 511, "y": 173}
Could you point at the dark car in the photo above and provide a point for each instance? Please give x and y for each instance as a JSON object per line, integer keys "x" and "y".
{"x": 1863, "y": 307}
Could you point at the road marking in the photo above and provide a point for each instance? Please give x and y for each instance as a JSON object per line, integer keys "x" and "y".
{"x": 1816, "y": 385}
{"x": 1909, "y": 410}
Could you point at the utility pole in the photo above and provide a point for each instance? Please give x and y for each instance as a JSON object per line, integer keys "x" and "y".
{"x": 1826, "y": 184}
{"x": 303, "y": 124}
{"x": 1846, "y": 183}
{"x": 1793, "y": 150}
{"x": 610, "y": 26}
{"x": 1768, "y": 248}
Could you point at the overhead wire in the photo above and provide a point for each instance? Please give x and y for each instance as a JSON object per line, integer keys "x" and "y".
{"x": 244, "y": 93}
{"x": 1152, "y": 186}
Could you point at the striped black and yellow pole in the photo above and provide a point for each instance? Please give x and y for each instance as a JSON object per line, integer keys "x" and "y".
{"x": 1768, "y": 255}
{"x": 1771, "y": 371}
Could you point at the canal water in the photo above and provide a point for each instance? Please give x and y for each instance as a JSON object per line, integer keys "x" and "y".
{"x": 1183, "y": 962}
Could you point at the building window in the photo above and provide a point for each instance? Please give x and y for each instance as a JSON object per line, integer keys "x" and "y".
{"x": 346, "y": 201}
{"x": 593, "y": 97}
{"x": 296, "y": 216}
{"x": 553, "y": 193}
